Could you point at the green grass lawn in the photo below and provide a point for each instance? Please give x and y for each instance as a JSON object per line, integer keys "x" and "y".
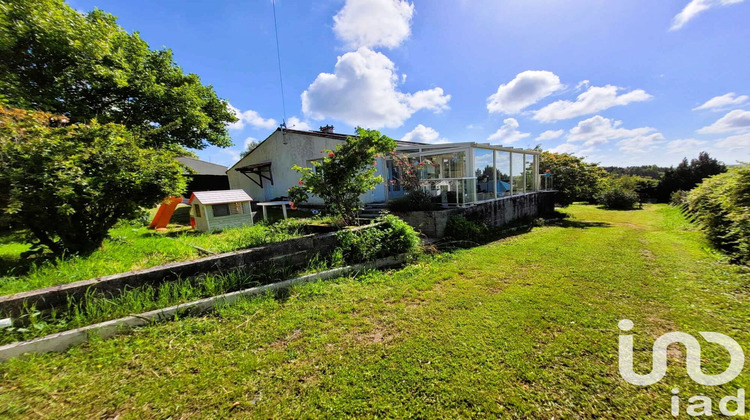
{"x": 524, "y": 327}
{"x": 130, "y": 247}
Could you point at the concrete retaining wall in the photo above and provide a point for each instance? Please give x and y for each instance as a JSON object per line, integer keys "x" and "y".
{"x": 496, "y": 212}
{"x": 294, "y": 253}
{"x": 62, "y": 341}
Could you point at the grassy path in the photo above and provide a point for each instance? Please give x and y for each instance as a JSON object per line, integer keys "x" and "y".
{"x": 524, "y": 327}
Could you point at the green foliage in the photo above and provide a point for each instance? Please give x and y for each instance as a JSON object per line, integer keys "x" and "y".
{"x": 381, "y": 340}
{"x": 678, "y": 198}
{"x": 130, "y": 247}
{"x": 344, "y": 174}
{"x": 687, "y": 175}
{"x": 574, "y": 179}
{"x": 85, "y": 66}
{"x": 646, "y": 171}
{"x": 417, "y": 200}
{"x": 392, "y": 237}
{"x": 721, "y": 204}
{"x": 460, "y": 228}
{"x": 618, "y": 198}
{"x": 69, "y": 185}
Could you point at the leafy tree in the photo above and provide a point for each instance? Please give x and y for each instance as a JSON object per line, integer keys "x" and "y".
{"x": 647, "y": 171}
{"x": 574, "y": 179}
{"x": 687, "y": 175}
{"x": 85, "y": 67}
{"x": 344, "y": 174}
{"x": 249, "y": 147}
{"x": 69, "y": 184}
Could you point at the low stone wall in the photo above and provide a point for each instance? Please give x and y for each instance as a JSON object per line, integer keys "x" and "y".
{"x": 293, "y": 253}
{"x": 497, "y": 212}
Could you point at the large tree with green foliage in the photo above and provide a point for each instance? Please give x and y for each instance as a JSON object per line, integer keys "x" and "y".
{"x": 686, "y": 175}
{"x": 574, "y": 179}
{"x": 69, "y": 184}
{"x": 85, "y": 66}
{"x": 344, "y": 174}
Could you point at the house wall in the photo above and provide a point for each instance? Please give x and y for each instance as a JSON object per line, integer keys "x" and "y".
{"x": 299, "y": 150}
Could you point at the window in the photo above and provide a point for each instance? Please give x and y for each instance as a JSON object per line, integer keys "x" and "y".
{"x": 197, "y": 209}
{"x": 221, "y": 210}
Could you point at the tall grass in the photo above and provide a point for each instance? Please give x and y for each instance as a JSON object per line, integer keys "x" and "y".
{"x": 129, "y": 248}
{"x": 97, "y": 307}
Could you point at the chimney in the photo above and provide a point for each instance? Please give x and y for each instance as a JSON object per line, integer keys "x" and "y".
{"x": 328, "y": 129}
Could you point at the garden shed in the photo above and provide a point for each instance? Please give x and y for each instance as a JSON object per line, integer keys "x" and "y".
{"x": 217, "y": 210}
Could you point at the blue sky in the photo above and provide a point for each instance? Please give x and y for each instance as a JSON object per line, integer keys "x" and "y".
{"x": 622, "y": 82}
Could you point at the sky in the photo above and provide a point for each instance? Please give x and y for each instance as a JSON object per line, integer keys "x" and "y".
{"x": 619, "y": 82}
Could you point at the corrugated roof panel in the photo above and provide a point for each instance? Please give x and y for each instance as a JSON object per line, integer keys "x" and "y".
{"x": 221, "y": 197}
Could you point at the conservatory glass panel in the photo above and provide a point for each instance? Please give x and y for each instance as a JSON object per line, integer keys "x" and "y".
{"x": 517, "y": 173}
{"x": 484, "y": 173}
{"x": 529, "y": 173}
{"x": 503, "y": 173}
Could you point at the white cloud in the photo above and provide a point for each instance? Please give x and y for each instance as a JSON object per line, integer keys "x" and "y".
{"x": 600, "y": 130}
{"x": 550, "y": 135}
{"x": 422, "y": 134}
{"x": 696, "y": 7}
{"x": 730, "y": 99}
{"x": 741, "y": 141}
{"x": 250, "y": 117}
{"x": 362, "y": 91}
{"x": 295, "y": 123}
{"x": 682, "y": 145}
{"x": 508, "y": 133}
{"x": 641, "y": 143}
{"x": 737, "y": 121}
{"x": 594, "y": 99}
{"x": 527, "y": 88}
{"x": 566, "y": 148}
{"x": 374, "y": 23}
{"x": 249, "y": 141}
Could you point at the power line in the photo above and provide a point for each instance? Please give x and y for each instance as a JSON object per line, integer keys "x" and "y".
{"x": 278, "y": 57}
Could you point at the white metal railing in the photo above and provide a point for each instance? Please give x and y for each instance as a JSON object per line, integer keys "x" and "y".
{"x": 466, "y": 190}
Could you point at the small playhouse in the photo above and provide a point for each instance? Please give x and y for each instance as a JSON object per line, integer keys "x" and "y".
{"x": 217, "y": 210}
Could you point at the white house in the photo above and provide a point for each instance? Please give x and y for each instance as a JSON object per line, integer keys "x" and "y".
{"x": 459, "y": 173}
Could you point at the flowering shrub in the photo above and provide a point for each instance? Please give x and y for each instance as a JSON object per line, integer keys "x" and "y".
{"x": 344, "y": 175}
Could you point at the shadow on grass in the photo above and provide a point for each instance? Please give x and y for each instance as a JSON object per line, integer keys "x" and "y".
{"x": 579, "y": 224}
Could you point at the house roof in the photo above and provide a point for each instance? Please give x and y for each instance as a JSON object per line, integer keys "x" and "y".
{"x": 201, "y": 167}
{"x": 220, "y": 197}
{"x": 335, "y": 136}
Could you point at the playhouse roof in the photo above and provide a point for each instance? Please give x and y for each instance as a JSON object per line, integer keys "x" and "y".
{"x": 220, "y": 197}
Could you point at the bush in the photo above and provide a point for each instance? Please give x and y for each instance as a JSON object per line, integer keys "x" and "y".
{"x": 458, "y": 227}
{"x": 392, "y": 237}
{"x": 678, "y": 198}
{"x": 721, "y": 205}
{"x": 617, "y": 198}
{"x": 414, "y": 201}
{"x": 69, "y": 185}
